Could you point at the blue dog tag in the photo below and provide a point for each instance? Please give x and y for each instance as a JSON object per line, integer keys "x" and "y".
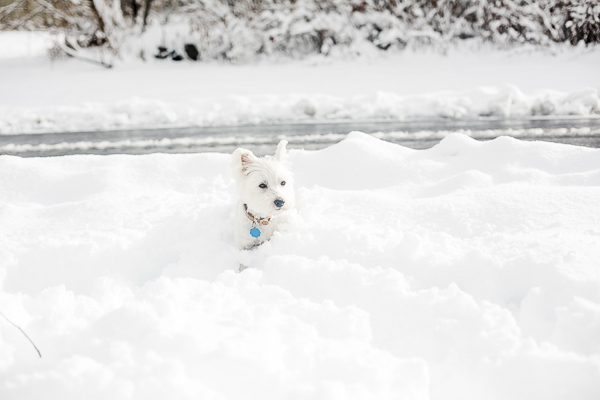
{"x": 255, "y": 232}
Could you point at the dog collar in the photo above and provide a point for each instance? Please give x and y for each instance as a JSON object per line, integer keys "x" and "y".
{"x": 260, "y": 221}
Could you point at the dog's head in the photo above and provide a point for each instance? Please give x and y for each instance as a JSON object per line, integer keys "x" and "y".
{"x": 265, "y": 184}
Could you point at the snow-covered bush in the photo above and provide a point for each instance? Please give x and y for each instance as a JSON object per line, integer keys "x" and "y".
{"x": 580, "y": 20}
{"x": 236, "y": 30}
{"x": 243, "y": 29}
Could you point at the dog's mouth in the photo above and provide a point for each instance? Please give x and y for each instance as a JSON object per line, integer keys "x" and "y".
{"x": 283, "y": 208}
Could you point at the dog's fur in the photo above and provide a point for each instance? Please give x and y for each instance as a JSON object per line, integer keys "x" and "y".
{"x": 250, "y": 172}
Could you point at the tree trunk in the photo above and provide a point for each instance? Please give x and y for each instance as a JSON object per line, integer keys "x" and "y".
{"x": 147, "y": 6}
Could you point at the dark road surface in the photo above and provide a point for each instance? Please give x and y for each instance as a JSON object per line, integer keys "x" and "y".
{"x": 262, "y": 138}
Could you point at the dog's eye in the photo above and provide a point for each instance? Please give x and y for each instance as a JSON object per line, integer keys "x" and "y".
{"x": 282, "y": 183}
{"x": 262, "y": 186}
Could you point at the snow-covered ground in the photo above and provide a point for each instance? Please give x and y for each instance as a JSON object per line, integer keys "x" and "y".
{"x": 466, "y": 271}
{"x": 37, "y": 95}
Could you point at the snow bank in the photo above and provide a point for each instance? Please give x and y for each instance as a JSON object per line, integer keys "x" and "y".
{"x": 505, "y": 102}
{"x": 68, "y": 95}
{"x": 24, "y": 44}
{"x": 466, "y": 271}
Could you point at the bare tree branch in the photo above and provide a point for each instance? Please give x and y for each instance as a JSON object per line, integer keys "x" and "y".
{"x": 10, "y": 8}
{"x": 98, "y": 17}
{"x": 56, "y": 10}
{"x": 146, "y": 13}
{"x": 76, "y": 56}
{"x": 41, "y": 9}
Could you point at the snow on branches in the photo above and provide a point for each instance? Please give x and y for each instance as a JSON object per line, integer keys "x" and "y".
{"x": 243, "y": 29}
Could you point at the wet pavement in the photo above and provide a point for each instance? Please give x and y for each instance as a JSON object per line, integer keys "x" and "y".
{"x": 416, "y": 134}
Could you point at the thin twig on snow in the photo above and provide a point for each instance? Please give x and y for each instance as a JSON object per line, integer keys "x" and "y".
{"x": 23, "y": 332}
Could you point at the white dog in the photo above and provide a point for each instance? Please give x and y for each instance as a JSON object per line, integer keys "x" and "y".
{"x": 266, "y": 193}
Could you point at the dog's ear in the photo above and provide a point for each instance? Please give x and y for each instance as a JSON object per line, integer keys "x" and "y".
{"x": 247, "y": 159}
{"x": 281, "y": 152}
{"x": 242, "y": 159}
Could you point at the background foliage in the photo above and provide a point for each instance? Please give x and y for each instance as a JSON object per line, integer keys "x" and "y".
{"x": 242, "y": 29}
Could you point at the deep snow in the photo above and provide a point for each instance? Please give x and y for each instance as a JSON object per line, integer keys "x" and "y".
{"x": 466, "y": 271}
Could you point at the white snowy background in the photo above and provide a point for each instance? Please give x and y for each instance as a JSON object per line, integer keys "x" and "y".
{"x": 470, "y": 270}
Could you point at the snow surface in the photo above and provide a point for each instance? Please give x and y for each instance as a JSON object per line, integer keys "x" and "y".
{"x": 466, "y": 271}
{"x": 16, "y": 45}
{"x": 37, "y": 95}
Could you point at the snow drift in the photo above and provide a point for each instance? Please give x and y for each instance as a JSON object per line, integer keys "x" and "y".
{"x": 466, "y": 271}
{"x": 135, "y": 113}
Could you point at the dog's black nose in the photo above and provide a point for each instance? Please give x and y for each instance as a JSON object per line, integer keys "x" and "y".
{"x": 279, "y": 203}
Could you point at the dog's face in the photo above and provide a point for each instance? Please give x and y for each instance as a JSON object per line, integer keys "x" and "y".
{"x": 265, "y": 184}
